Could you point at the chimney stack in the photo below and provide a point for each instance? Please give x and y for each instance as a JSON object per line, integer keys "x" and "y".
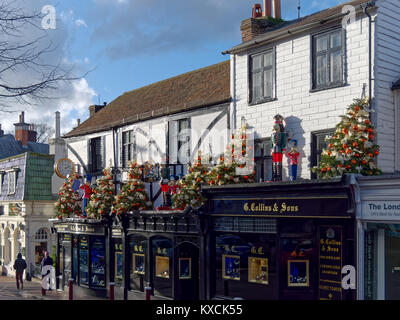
{"x": 267, "y": 8}
{"x": 96, "y": 108}
{"x": 79, "y": 122}
{"x": 277, "y": 9}
{"x": 24, "y": 132}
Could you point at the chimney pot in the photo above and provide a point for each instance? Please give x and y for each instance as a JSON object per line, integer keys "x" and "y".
{"x": 267, "y": 8}
{"x": 257, "y": 11}
{"x": 277, "y": 9}
{"x": 79, "y": 122}
{"x": 57, "y": 125}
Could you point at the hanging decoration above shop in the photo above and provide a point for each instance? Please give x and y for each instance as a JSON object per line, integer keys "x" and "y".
{"x": 235, "y": 157}
{"x": 189, "y": 193}
{"x": 293, "y": 156}
{"x": 351, "y": 148}
{"x": 102, "y": 197}
{"x": 151, "y": 172}
{"x": 133, "y": 195}
{"x": 68, "y": 203}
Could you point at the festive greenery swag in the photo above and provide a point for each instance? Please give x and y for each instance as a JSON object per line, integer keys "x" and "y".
{"x": 351, "y": 148}
{"x": 189, "y": 193}
{"x": 102, "y": 197}
{"x": 133, "y": 195}
{"x": 68, "y": 203}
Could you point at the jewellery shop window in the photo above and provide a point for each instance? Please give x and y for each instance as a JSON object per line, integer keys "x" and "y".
{"x": 97, "y": 255}
{"x": 162, "y": 251}
{"x": 75, "y": 245}
{"x": 138, "y": 250}
{"x": 118, "y": 261}
{"x": 83, "y": 260}
{"x": 246, "y": 266}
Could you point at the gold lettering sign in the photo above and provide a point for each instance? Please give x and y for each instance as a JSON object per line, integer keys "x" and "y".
{"x": 275, "y": 208}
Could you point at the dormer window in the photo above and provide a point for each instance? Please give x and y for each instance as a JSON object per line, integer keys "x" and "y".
{"x": 12, "y": 180}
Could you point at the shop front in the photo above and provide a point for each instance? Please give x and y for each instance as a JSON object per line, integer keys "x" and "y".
{"x": 287, "y": 240}
{"x": 82, "y": 255}
{"x": 162, "y": 251}
{"x": 378, "y": 218}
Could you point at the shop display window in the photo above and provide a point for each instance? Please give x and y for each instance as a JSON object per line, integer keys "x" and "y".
{"x": 138, "y": 263}
{"x": 258, "y": 270}
{"x": 231, "y": 267}
{"x": 298, "y": 273}
{"x": 162, "y": 267}
{"x": 118, "y": 265}
{"x": 185, "y": 268}
{"x": 83, "y": 261}
{"x": 97, "y": 255}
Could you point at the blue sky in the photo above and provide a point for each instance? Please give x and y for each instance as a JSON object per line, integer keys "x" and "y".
{"x": 131, "y": 43}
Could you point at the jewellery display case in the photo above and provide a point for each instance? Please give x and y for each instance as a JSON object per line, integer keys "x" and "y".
{"x": 185, "y": 268}
{"x": 258, "y": 270}
{"x": 162, "y": 267}
{"x": 231, "y": 267}
{"x": 138, "y": 263}
{"x": 298, "y": 273}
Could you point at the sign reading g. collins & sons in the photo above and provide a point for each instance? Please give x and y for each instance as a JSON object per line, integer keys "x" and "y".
{"x": 284, "y": 207}
{"x": 381, "y": 210}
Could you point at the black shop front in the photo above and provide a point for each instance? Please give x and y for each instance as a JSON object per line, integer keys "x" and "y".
{"x": 160, "y": 250}
{"x": 286, "y": 240}
{"x": 82, "y": 255}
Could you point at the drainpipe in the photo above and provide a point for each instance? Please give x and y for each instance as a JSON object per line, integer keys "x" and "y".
{"x": 359, "y": 236}
{"x": 370, "y": 5}
{"x": 233, "y": 91}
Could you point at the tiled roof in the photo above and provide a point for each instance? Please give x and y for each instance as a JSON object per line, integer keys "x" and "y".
{"x": 192, "y": 90}
{"x": 10, "y": 147}
{"x": 289, "y": 27}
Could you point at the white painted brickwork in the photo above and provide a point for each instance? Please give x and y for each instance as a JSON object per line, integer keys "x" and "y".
{"x": 304, "y": 111}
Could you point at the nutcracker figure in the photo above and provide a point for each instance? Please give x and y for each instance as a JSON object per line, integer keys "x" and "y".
{"x": 165, "y": 176}
{"x": 293, "y": 156}
{"x": 278, "y": 140}
{"x": 86, "y": 197}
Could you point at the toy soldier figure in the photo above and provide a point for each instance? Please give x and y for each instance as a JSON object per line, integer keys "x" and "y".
{"x": 165, "y": 177}
{"x": 278, "y": 140}
{"x": 293, "y": 156}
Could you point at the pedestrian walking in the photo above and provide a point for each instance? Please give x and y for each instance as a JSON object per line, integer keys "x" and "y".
{"x": 19, "y": 267}
{"x": 46, "y": 261}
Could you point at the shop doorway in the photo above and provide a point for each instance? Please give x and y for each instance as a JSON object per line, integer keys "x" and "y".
{"x": 297, "y": 268}
{"x": 66, "y": 253}
{"x": 392, "y": 259}
{"x": 187, "y": 280}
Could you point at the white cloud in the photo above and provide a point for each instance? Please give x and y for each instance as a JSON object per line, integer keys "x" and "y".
{"x": 80, "y": 22}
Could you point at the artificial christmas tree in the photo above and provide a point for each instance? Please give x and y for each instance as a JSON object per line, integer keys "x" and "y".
{"x": 236, "y": 166}
{"x": 351, "y": 148}
{"x": 189, "y": 185}
{"x": 68, "y": 203}
{"x": 133, "y": 195}
{"x": 102, "y": 197}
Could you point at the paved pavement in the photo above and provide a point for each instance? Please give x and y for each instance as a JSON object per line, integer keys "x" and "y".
{"x": 32, "y": 290}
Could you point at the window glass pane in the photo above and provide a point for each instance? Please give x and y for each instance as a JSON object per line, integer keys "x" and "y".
{"x": 83, "y": 261}
{"x": 336, "y": 66}
{"x": 322, "y": 43}
{"x": 256, "y": 94}
{"x": 258, "y": 149}
{"x": 268, "y": 169}
{"x": 256, "y": 62}
{"x": 97, "y": 253}
{"x": 124, "y": 138}
{"x": 258, "y": 171}
{"x": 268, "y": 83}
{"x": 336, "y": 39}
{"x": 268, "y": 59}
{"x": 321, "y": 70}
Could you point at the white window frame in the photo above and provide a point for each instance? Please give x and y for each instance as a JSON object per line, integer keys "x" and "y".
{"x": 14, "y": 173}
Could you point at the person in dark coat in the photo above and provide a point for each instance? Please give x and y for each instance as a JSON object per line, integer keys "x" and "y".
{"x": 46, "y": 261}
{"x": 19, "y": 267}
